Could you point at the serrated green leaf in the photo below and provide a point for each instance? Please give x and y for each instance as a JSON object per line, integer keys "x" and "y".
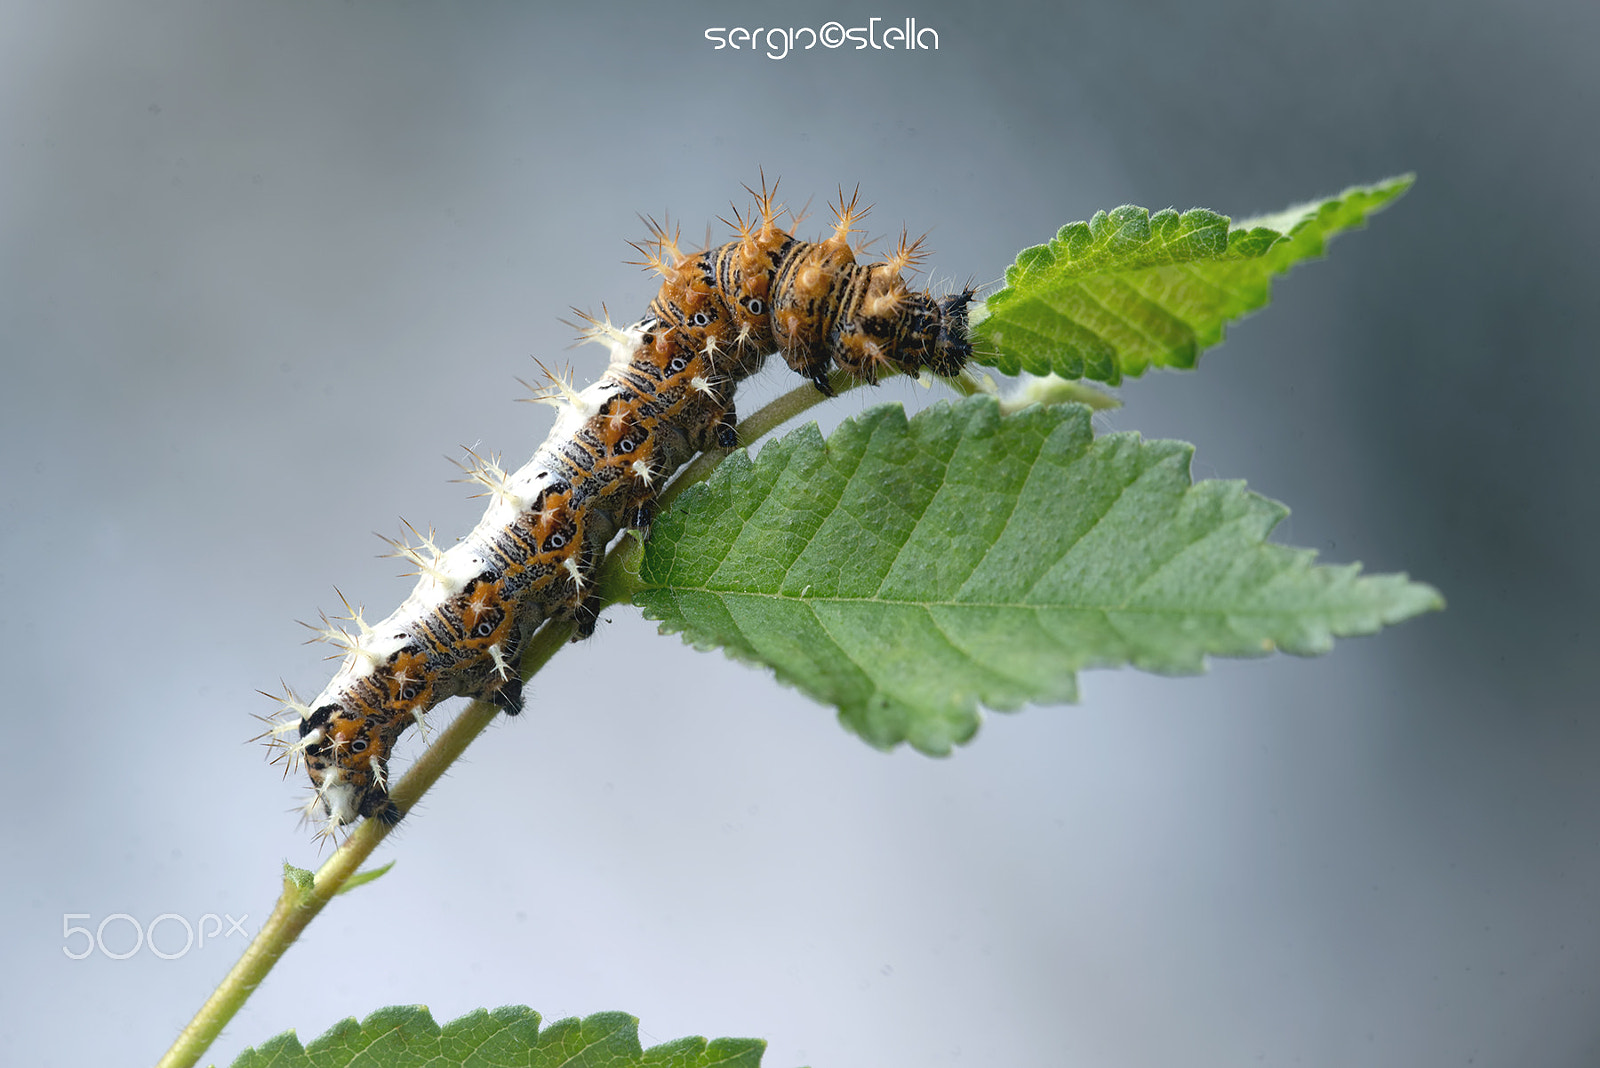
{"x": 405, "y": 1035}
{"x": 908, "y": 571}
{"x": 1128, "y": 290}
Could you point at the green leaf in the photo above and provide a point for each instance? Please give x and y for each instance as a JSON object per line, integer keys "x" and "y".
{"x": 361, "y": 878}
{"x": 1128, "y": 290}
{"x": 908, "y": 571}
{"x": 405, "y": 1035}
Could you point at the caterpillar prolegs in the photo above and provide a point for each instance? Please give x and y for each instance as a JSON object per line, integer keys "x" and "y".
{"x": 667, "y": 394}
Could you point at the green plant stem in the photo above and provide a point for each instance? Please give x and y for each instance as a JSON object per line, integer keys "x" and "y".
{"x": 298, "y": 905}
{"x": 754, "y": 427}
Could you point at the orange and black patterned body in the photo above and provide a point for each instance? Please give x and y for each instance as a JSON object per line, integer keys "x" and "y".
{"x": 667, "y": 394}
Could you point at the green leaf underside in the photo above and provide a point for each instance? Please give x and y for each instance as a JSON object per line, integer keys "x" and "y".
{"x": 405, "y": 1035}
{"x": 1128, "y": 290}
{"x": 907, "y": 572}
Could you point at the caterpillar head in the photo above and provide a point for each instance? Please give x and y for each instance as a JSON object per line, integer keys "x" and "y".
{"x": 347, "y": 753}
{"x": 952, "y": 349}
{"x": 934, "y": 332}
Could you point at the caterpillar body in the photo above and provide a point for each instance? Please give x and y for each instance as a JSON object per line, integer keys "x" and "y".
{"x": 667, "y": 393}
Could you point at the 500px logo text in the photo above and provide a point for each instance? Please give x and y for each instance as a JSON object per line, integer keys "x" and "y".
{"x": 145, "y": 935}
{"x": 780, "y": 40}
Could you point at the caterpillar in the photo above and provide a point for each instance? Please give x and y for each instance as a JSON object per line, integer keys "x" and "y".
{"x": 666, "y": 394}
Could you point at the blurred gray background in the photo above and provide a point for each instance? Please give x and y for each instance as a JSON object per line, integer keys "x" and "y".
{"x": 265, "y": 266}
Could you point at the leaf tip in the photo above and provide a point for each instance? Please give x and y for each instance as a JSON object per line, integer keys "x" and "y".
{"x": 361, "y": 878}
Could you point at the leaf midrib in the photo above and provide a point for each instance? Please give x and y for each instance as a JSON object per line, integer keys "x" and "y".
{"x": 1209, "y": 609}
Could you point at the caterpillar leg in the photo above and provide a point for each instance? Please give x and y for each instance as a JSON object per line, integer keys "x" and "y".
{"x": 505, "y": 690}
{"x": 643, "y": 516}
{"x": 586, "y": 616}
{"x": 818, "y": 373}
{"x": 507, "y": 696}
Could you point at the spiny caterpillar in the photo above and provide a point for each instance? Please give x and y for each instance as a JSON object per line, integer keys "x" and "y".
{"x": 666, "y": 395}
